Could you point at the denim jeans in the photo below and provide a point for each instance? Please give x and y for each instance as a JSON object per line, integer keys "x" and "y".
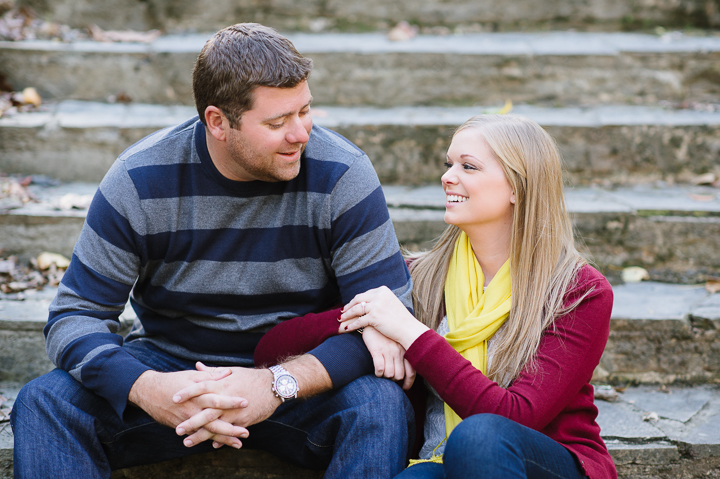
{"x": 492, "y": 446}
{"x": 63, "y": 430}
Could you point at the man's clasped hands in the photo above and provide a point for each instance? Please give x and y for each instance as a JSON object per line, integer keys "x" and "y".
{"x": 220, "y": 403}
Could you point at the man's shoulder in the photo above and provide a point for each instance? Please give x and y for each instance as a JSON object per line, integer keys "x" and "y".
{"x": 327, "y": 145}
{"x": 172, "y": 144}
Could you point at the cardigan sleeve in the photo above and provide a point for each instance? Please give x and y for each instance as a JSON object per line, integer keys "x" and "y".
{"x": 296, "y": 336}
{"x": 568, "y": 353}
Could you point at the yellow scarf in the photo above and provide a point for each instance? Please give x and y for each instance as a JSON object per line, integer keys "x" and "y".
{"x": 473, "y": 316}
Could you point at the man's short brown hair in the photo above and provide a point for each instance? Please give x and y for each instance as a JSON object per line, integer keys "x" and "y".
{"x": 239, "y": 58}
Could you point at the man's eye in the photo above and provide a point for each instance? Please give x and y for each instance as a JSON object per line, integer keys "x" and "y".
{"x": 275, "y": 126}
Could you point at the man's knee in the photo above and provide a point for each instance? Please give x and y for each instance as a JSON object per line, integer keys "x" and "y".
{"x": 380, "y": 396}
{"x": 41, "y": 398}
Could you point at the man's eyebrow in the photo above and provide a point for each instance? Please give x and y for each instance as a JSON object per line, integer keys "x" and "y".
{"x": 283, "y": 115}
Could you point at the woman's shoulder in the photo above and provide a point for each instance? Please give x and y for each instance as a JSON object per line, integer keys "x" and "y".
{"x": 589, "y": 281}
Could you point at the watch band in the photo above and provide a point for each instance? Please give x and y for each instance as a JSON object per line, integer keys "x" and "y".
{"x": 284, "y": 385}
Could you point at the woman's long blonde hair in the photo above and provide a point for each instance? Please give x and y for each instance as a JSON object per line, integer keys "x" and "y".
{"x": 543, "y": 258}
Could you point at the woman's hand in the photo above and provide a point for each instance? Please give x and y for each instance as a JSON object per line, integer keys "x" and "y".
{"x": 388, "y": 358}
{"x": 382, "y": 310}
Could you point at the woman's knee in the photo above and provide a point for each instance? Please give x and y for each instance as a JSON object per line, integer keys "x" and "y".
{"x": 484, "y": 435}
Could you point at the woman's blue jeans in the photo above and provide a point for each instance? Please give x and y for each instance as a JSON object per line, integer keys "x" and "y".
{"x": 63, "y": 430}
{"x": 491, "y": 446}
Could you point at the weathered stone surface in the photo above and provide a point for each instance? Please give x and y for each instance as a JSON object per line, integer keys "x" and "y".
{"x": 78, "y": 141}
{"x": 346, "y": 14}
{"x": 363, "y": 69}
{"x": 616, "y": 422}
{"x": 652, "y": 340}
{"x": 672, "y": 403}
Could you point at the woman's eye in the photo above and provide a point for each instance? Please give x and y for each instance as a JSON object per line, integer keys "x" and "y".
{"x": 468, "y": 166}
{"x": 448, "y": 165}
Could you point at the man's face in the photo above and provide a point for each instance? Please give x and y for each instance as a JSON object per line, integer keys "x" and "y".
{"x": 272, "y": 136}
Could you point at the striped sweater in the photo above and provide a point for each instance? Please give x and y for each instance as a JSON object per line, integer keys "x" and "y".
{"x": 211, "y": 264}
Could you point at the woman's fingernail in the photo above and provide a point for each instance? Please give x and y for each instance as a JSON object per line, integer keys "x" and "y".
{"x": 340, "y": 318}
{"x": 346, "y": 327}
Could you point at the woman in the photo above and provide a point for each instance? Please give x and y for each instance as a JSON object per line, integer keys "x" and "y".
{"x": 511, "y": 321}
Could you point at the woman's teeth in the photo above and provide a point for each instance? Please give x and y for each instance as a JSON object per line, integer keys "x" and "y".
{"x": 456, "y": 199}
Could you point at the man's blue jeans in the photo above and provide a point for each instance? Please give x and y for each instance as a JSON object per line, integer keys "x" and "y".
{"x": 492, "y": 446}
{"x": 63, "y": 430}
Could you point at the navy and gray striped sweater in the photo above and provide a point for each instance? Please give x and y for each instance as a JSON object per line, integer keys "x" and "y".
{"x": 210, "y": 264}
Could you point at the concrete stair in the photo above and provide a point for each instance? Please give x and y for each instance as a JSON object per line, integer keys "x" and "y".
{"x": 605, "y": 144}
{"x": 315, "y": 15}
{"x": 565, "y": 68}
{"x": 610, "y": 98}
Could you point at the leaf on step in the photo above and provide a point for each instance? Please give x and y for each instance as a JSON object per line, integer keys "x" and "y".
{"x": 46, "y": 260}
{"x": 129, "y": 36}
{"x": 706, "y": 179}
{"x": 634, "y": 274}
{"x": 713, "y": 285}
{"x": 402, "y": 32}
{"x": 651, "y": 416}
{"x": 73, "y": 201}
{"x": 702, "y": 198}
{"x": 606, "y": 393}
{"x": 31, "y": 96}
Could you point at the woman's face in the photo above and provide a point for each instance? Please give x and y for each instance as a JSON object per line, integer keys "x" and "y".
{"x": 476, "y": 188}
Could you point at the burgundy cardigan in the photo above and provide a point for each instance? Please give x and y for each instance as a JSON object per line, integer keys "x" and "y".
{"x": 555, "y": 399}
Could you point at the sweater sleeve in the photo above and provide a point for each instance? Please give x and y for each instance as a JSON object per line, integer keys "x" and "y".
{"x": 568, "y": 353}
{"x": 365, "y": 254}
{"x": 84, "y": 316}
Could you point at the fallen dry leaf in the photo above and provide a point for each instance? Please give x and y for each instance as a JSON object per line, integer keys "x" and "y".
{"x": 651, "y": 416}
{"x": 402, "y": 32}
{"x": 128, "y": 36}
{"x": 713, "y": 285}
{"x": 706, "y": 179}
{"x": 703, "y": 198}
{"x": 606, "y": 393}
{"x": 45, "y": 260}
{"x": 634, "y": 274}
{"x": 31, "y": 96}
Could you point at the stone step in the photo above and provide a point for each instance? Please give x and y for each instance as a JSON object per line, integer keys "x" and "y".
{"x": 553, "y": 68}
{"x": 316, "y": 15}
{"x": 670, "y": 231}
{"x": 660, "y": 333}
{"x": 611, "y": 144}
{"x": 681, "y": 439}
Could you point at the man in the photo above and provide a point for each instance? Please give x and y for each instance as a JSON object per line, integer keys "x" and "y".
{"x": 221, "y": 227}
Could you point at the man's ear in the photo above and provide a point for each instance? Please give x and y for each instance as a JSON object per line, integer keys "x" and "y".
{"x": 216, "y": 122}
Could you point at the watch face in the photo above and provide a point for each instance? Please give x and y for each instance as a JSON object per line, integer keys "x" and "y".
{"x": 286, "y": 386}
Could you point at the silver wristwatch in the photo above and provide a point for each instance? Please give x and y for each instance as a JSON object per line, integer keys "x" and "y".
{"x": 285, "y": 386}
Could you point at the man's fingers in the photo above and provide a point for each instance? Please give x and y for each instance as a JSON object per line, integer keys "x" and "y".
{"x": 220, "y": 441}
{"x": 399, "y": 367}
{"x": 192, "y": 391}
{"x": 389, "y": 366}
{"x": 220, "y": 401}
{"x": 379, "y": 363}
{"x": 222, "y": 428}
{"x": 196, "y": 422}
{"x": 409, "y": 375}
{"x": 214, "y": 373}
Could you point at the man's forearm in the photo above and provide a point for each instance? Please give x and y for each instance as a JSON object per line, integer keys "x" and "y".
{"x": 311, "y": 375}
